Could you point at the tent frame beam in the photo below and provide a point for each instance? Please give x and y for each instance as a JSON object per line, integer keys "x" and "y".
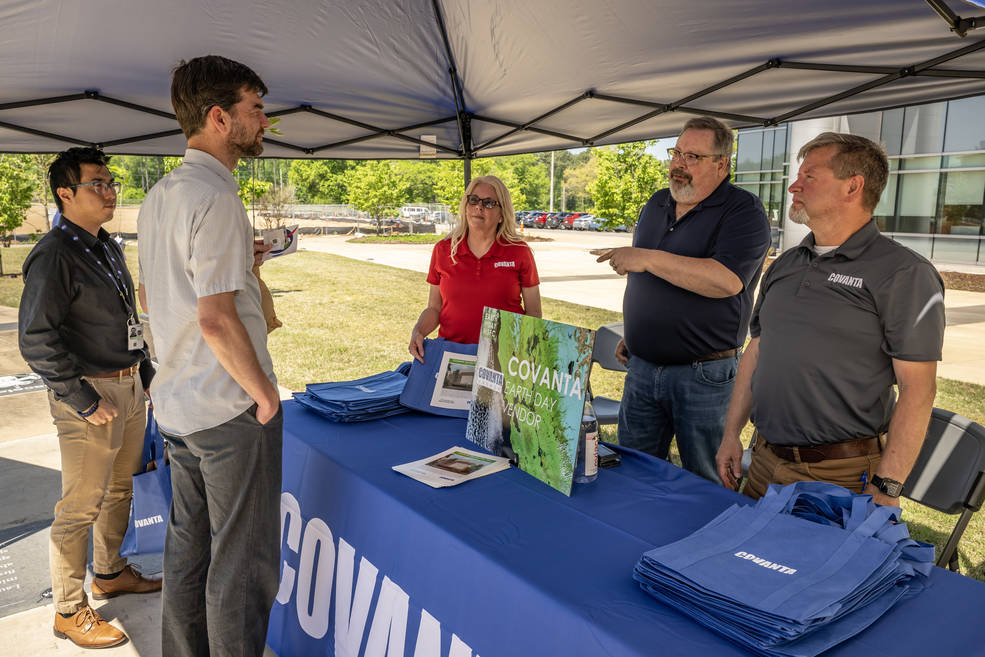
{"x": 464, "y": 118}
{"x": 958, "y": 25}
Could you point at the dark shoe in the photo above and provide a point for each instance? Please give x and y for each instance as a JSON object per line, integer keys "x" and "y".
{"x": 87, "y": 629}
{"x": 129, "y": 581}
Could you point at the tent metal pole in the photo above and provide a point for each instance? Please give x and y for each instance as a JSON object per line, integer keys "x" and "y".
{"x": 464, "y": 131}
{"x": 466, "y": 124}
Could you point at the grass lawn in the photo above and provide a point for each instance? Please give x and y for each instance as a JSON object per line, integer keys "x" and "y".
{"x": 344, "y": 319}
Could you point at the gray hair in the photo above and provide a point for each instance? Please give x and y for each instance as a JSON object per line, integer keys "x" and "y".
{"x": 723, "y": 135}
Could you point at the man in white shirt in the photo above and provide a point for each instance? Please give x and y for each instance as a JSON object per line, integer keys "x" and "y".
{"x": 215, "y": 394}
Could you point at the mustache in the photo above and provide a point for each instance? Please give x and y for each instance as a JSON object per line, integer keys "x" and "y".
{"x": 682, "y": 173}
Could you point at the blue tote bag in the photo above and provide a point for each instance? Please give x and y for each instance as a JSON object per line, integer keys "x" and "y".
{"x": 422, "y": 378}
{"x": 809, "y": 566}
{"x": 151, "y": 503}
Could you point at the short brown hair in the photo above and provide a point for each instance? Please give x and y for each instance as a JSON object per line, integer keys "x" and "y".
{"x": 204, "y": 82}
{"x": 723, "y": 135}
{"x": 855, "y": 156}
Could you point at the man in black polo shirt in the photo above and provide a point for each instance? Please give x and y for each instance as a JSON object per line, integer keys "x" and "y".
{"x": 78, "y": 329}
{"x": 839, "y": 320}
{"x": 697, "y": 254}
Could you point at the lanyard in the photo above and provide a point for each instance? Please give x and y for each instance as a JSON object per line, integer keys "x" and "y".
{"x": 108, "y": 264}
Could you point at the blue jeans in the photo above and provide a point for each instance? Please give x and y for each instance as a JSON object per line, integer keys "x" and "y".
{"x": 222, "y": 550}
{"x": 689, "y": 401}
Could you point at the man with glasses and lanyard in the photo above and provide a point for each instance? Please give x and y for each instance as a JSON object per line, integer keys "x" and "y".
{"x": 79, "y": 330}
{"x": 696, "y": 258}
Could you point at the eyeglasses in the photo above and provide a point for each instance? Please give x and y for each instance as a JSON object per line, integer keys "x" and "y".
{"x": 689, "y": 158}
{"x": 487, "y": 203}
{"x": 102, "y": 187}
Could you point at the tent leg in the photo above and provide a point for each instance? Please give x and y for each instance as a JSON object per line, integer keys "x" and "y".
{"x": 468, "y": 171}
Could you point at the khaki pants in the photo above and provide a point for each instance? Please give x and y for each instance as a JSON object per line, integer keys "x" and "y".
{"x": 768, "y": 468}
{"x": 97, "y": 465}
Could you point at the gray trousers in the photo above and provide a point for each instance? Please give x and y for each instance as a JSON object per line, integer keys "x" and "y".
{"x": 222, "y": 551}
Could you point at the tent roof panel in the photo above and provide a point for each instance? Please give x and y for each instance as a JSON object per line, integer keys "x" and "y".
{"x": 385, "y": 64}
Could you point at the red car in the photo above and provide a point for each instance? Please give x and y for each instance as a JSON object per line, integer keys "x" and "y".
{"x": 568, "y": 221}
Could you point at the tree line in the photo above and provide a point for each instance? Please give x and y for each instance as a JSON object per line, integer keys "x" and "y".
{"x": 612, "y": 182}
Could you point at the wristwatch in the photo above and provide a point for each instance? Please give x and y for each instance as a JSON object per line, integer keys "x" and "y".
{"x": 890, "y": 487}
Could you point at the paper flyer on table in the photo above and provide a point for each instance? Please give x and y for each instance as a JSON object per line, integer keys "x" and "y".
{"x": 283, "y": 241}
{"x": 453, "y": 381}
{"x": 453, "y": 466}
{"x": 529, "y": 392}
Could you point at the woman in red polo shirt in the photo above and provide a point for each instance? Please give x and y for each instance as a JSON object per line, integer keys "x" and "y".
{"x": 482, "y": 262}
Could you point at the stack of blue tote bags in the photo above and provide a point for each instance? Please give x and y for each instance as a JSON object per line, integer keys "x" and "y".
{"x": 369, "y": 398}
{"x": 809, "y": 566}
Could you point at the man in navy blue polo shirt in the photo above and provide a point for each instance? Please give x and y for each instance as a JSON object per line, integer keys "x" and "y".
{"x": 840, "y": 319}
{"x": 697, "y": 255}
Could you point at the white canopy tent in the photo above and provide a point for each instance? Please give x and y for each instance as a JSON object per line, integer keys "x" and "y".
{"x": 376, "y": 78}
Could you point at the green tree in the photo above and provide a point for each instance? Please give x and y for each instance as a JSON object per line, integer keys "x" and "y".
{"x": 449, "y": 183}
{"x": 627, "y": 177}
{"x": 578, "y": 179}
{"x": 16, "y": 190}
{"x": 375, "y": 187}
{"x": 273, "y": 205}
{"x": 252, "y": 190}
{"x": 319, "y": 181}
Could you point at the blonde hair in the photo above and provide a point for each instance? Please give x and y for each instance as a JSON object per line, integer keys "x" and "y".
{"x": 505, "y": 233}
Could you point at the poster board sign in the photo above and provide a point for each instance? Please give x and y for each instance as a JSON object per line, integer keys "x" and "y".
{"x": 529, "y": 392}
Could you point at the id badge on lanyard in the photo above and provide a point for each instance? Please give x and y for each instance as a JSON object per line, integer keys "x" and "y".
{"x": 135, "y": 335}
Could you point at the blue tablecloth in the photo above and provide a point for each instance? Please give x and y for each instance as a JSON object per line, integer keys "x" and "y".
{"x": 506, "y": 566}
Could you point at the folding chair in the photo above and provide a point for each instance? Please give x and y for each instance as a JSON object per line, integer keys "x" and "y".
{"x": 604, "y": 353}
{"x": 949, "y": 474}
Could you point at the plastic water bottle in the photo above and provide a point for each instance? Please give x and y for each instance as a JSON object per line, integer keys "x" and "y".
{"x": 587, "y": 463}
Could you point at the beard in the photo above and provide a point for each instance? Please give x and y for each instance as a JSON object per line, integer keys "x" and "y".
{"x": 798, "y": 215}
{"x": 682, "y": 192}
{"x": 242, "y": 145}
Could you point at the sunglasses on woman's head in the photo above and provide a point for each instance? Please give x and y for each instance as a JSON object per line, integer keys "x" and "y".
{"x": 487, "y": 203}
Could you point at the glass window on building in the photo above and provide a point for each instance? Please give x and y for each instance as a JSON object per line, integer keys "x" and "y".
{"x": 749, "y": 156}
{"x": 965, "y": 129}
{"x": 766, "y": 161}
{"x": 885, "y": 212}
{"x": 774, "y": 206}
{"x": 965, "y": 160}
{"x": 779, "y": 147}
{"x": 917, "y": 202}
{"x": 923, "y": 129}
{"x": 891, "y": 131}
{"x": 964, "y": 202}
{"x": 866, "y": 125}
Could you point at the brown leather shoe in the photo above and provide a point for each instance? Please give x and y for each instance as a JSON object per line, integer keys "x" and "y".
{"x": 87, "y": 629}
{"x": 129, "y": 581}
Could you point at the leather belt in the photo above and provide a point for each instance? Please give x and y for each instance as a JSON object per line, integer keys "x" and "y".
{"x": 832, "y": 451}
{"x": 119, "y": 374}
{"x": 717, "y": 355}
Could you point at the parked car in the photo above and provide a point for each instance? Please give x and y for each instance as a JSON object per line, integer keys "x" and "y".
{"x": 537, "y": 220}
{"x": 586, "y": 222}
{"x": 554, "y": 219}
{"x": 414, "y": 213}
{"x": 568, "y": 222}
{"x": 441, "y": 217}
